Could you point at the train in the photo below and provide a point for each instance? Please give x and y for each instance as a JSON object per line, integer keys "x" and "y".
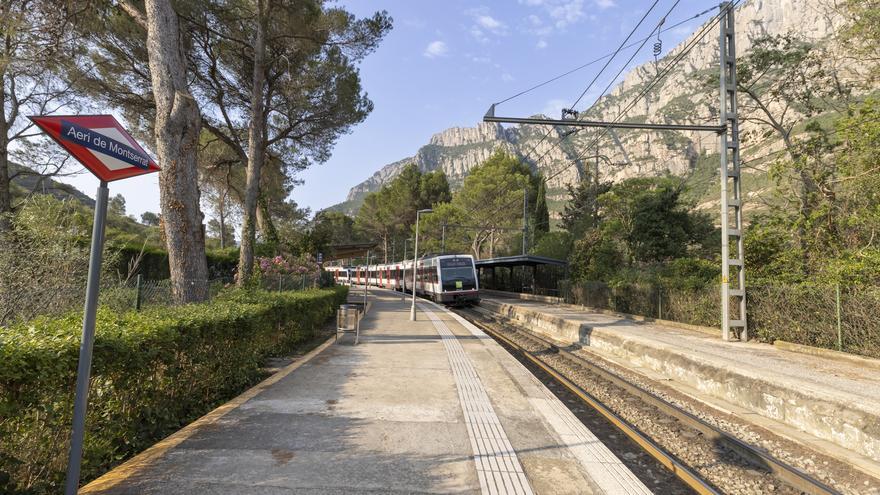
{"x": 447, "y": 279}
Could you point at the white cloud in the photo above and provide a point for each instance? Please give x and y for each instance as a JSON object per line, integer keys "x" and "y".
{"x": 478, "y": 34}
{"x": 560, "y": 14}
{"x": 605, "y": 4}
{"x": 506, "y": 77}
{"x": 436, "y": 49}
{"x": 567, "y": 12}
{"x": 489, "y": 22}
{"x": 484, "y": 25}
{"x": 541, "y": 44}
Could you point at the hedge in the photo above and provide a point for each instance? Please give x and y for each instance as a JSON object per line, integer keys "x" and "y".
{"x": 154, "y": 262}
{"x": 153, "y": 372}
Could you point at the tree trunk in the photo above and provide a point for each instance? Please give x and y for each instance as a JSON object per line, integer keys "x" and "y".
{"x": 177, "y": 138}
{"x": 256, "y": 151}
{"x": 222, "y": 216}
{"x": 265, "y": 225}
{"x": 5, "y": 187}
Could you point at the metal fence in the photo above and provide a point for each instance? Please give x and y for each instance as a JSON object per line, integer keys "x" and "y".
{"x": 845, "y": 318}
{"x": 59, "y": 295}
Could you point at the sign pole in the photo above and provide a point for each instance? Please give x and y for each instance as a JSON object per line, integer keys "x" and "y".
{"x": 88, "y": 339}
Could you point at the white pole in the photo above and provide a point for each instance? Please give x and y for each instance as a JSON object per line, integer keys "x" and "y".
{"x": 412, "y": 310}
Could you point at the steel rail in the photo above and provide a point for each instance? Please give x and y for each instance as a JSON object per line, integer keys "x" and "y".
{"x": 791, "y": 475}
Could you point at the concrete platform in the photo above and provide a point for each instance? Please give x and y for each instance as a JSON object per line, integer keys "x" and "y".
{"x": 433, "y": 406}
{"x": 836, "y": 403}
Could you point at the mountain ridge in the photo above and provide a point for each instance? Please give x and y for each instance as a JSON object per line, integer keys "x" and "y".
{"x": 682, "y": 97}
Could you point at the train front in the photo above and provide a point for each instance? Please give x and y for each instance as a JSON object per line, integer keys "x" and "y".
{"x": 458, "y": 280}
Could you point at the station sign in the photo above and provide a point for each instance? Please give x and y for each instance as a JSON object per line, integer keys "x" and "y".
{"x": 104, "y": 147}
{"x": 100, "y": 143}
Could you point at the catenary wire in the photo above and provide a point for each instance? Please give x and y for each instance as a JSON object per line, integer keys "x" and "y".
{"x": 662, "y": 74}
{"x": 597, "y": 60}
{"x": 609, "y": 85}
{"x": 598, "y": 74}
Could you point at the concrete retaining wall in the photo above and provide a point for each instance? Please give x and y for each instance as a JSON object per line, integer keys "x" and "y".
{"x": 628, "y": 316}
{"x": 813, "y": 412}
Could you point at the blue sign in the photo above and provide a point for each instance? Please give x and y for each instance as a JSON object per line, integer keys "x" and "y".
{"x": 93, "y": 140}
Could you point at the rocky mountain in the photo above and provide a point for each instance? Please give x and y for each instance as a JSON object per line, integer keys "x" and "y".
{"x": 684, "y": 96}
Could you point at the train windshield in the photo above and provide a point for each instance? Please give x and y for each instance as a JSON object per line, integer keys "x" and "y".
{"x": 457, "y": 274}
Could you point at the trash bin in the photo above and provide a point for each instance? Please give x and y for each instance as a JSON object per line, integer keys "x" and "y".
{"x": 348, "y": 319}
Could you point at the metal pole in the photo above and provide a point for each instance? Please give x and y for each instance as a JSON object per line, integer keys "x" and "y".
{"x": 659, "y": 303}
{"x": 140, "y": 288}
{"x": 595, "y": 194}
{"x": 367, "y": 281}
{"x": 88, "y": 339}
{"x": 525, "y": 228}
{"x": 412, "y": 309}
{"x": 839, "y": 331}
{"x": 730, "y": 176}
{"x": 443, "y": 239}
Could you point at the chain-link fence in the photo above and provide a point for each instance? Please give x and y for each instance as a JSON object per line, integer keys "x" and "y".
{"x": 138, "y": 293}
{"x": 57, "y": 295}
{"x": 295, "y": 281}
{"x": 829, "y": 316}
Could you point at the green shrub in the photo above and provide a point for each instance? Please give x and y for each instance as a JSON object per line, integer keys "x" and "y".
{"x": 153, "y": 263}
{"x": 152, "y": 372}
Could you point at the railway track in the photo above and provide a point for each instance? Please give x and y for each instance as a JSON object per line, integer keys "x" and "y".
{"x": 703, "y": 456}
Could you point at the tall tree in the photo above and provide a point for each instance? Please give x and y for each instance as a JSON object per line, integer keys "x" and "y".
{"x": 375, "y": 218}
{"x": 783, "y": 82}
{"x": 279, "y": 79}
{"x": 32, "y": 33}
{"x": 256, "y": 145}
{"x": 541, "y": 216}
{"x": 581, "y": 213}
{"x": 488, "y": 196}
{"x": 177, "y": 126}
{"x": 390, "y": 214}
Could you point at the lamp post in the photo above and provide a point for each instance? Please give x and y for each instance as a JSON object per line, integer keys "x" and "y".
{"x": 412, "y": 311}
{"x": 403, "y": 278}
{"x": 405, "y": 247}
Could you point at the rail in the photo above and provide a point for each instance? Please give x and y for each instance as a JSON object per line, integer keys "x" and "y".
{"x": 779, "y": 469}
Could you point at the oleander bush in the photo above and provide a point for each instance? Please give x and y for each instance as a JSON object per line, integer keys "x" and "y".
{"x": 153, "y": 371}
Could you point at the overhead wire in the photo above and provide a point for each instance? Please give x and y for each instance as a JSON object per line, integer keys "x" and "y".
{"x": 611, "y": 82}
{"x": 603, "y": 57}
{"x": 661, "y": 74}
{"x": 598, "y": 74}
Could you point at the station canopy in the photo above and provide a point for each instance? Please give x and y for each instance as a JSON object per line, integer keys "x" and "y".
{"x": 346, "y": 251}
{"x": 519, "y": 260}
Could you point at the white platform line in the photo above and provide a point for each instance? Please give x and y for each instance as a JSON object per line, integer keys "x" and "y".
{"x": 600, "y": 464}
{"x": 497, "y": 464}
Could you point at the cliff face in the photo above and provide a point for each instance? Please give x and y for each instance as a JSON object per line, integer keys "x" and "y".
{"x": 682, "y": 97}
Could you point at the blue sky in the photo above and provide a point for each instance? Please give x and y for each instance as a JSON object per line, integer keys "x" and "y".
{"x": 445, "y": 62}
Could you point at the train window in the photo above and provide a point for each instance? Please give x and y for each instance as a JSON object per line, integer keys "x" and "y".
{"x": 458, "y": 274}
